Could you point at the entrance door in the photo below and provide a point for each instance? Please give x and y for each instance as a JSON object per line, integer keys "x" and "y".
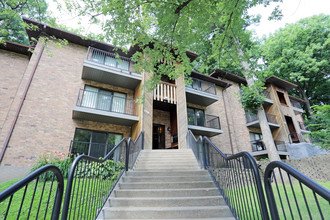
{"x": 158, "y": 140}
{"x": 292, "y": 129}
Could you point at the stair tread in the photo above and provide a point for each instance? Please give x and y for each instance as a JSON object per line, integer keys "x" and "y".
{"x": 208, "y": 188}
{"x": 219, "y": 207}
{"x": 169, "y": 198}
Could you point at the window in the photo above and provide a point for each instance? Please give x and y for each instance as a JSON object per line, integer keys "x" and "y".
{"x": 103, "y": 100}
{"x": 94, "y": 143}
{"x": 109, "y": 60}
{"x": 196, "y": 84}
{"x": 196, "y": 117}
{"x": 281, "y": 97}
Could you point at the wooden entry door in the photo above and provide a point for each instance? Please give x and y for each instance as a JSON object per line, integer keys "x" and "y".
{"x": 158, "y": 136}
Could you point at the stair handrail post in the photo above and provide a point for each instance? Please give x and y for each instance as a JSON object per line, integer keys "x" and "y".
{"x": 128, "y": 145}
{"x": 204, "y": 153}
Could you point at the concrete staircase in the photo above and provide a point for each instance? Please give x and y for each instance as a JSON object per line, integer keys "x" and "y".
{"x": 166, "y": 184}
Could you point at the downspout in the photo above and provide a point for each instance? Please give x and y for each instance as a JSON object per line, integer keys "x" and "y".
{"x": 5, "y": 145}
{"x": 230, "y": 139}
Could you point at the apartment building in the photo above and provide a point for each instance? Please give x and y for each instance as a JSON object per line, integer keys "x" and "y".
{"x": 80, "y": 98}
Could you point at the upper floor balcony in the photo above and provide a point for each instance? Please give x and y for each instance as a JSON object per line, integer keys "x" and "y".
{"x": 203, "y": 124}
{"x": 105, "y": 106}
{"x": 296, "y": 106}
{"x": 268, "y": 100}
{"x": 259, "y": 148}
{"x": 165, "y": 92}
{"x": 252, "y": 120}
{"x": 303, "y": 129}
{"x": 106, "y": 67}
{"x": 201, "y": 92}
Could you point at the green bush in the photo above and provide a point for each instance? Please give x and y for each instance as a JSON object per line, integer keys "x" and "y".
{"x": 252, "y": 97}
{"x": 108, "y": 169}
{"x": 62, "y": 161}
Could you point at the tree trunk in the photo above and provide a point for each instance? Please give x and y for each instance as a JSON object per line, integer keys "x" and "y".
{"x": 265, "y": 130}
{"x": 308, "y": 109}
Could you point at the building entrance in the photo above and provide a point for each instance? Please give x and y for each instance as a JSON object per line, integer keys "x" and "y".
{"x": 158, "y": 137}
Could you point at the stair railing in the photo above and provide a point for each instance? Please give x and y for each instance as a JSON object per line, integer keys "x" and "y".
{"x": 236, "y": 177}
{"x": 196, "y": 146}
{"x": 92, "y": 180}
{"x": 292, "y": 195}
{"x": 238, "y": 180}
{"x": 134, "y": 149}
{"x": 40, "y": 191}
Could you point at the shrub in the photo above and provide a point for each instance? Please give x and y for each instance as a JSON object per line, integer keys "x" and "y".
{"x": 62, "y": 161}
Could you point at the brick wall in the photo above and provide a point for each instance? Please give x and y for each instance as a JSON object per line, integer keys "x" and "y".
{"x": 12, "y": 73}
{"x": 45, "y": 122}
{"x": 234, "y": 125}
{"x": 181, "y": 110}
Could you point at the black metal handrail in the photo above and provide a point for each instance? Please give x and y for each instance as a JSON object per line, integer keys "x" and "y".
{"x": 258, "y": 145}
{"x": 41, "y": 198}
{"x": 287, "y": 199}
{"x": 108, "y": 59}
{"x": 236, "y": 176}
{"x": 209, "y": 121}
{"x": 134, "y": 149}
{"x": 250, "y": 117}
{"x": 90, "y": 182}
{"x": 110, "y": 103}
{"x": 202, "y": 85}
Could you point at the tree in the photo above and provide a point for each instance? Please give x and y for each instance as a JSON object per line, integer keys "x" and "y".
{"x": 12, "y": 25}
{"x": 299, "y": 53}
{"x": 164, "y": 30}
{"x": 319, "y": 125}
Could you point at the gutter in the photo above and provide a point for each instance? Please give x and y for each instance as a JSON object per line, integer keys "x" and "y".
{"x": 230, "y": 139}
{"x": 5, "y": 145}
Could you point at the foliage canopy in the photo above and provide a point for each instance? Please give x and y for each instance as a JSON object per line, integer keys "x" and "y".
{"x": 299, "y": 53}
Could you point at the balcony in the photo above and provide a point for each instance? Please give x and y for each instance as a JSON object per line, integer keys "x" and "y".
{"x": 259, "y": 148}
{"x": 303, "y": 129}
{"x": 201, "y": 92}
{"x": 101, "y": 107}
{"x": 165, "y": 92}
{"x": 268, "y": 100}
{"x": 209, "y": 125}
{"x": 105, "y": 67}
{"x": 296, "y": 107}
{"x": 253, "y": 121}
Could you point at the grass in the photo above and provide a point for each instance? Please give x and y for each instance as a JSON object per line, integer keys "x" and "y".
{"x": 80, "y": 199}
{"x": 250, "y": 210}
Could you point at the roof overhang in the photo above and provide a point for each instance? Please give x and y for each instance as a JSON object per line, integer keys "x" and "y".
{"x": 80, "y": 40}
{"x": 229, "y": 76}
{"x": 280, "y": 83}
{"x": 296, "y": 99}
{"x": 16, "y": 48}
{"x": 207, "y": 78}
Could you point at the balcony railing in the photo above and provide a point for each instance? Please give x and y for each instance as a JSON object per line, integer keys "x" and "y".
{"x": 210, "y": 121}
{"x": 253, "y": 117}
{"x": 165, "y": 92}
{"x": 105, "y": 102}
{"x": 266, "y": 94}
{"x": 295, "y": 103}
{"x": 203, "y": 86}
{"x": 108, "y": 59}
{"x": 258, "y": 145}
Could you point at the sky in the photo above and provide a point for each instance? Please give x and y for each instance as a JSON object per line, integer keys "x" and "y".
{"x": 292, "y": 10}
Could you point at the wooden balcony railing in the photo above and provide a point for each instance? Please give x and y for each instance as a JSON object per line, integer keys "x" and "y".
{"x": 165, "y": 92}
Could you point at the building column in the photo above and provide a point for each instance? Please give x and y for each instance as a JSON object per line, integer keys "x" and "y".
{"x": 181, "y": 110}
